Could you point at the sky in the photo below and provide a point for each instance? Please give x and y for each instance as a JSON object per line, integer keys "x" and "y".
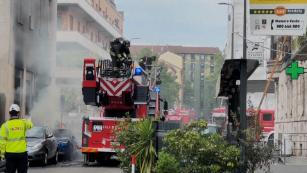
{"x": 175, "y": 22}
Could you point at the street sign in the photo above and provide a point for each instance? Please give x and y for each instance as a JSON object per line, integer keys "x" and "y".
{"x": 255, "y": 50}
{"x": 278, "y": 17}
{"x": 294, "y": 70}
{"x": 157, "y": 89}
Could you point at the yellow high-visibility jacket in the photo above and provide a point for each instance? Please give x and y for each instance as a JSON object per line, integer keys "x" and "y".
{"x": 13, "y": 136}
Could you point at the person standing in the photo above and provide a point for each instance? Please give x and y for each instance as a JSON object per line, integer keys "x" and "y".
{"x": 13, "y": 141}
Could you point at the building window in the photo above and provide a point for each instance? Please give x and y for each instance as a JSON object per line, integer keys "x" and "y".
{"x": 202, "y": 66}
{"x": 79, "y": 26}
{"x": 192, "y": 76}
{"x": 83, "y": 29}
{"x": 71, "y": 22}
{"x": 211, "y": 68}
{"x": 211, "y": 60}
{"x": 192, "y": 66}
{"x": 202, "y": 58}
{"x": 193, "y": 58}
{"x": 59, "y": 22}
{"x": 92, "y": 36}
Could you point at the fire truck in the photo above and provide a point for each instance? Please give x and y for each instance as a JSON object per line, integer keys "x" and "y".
{"x": 181, "y": 116}
{"x": 265, "y": 117}
{"x": 117, "y": 94}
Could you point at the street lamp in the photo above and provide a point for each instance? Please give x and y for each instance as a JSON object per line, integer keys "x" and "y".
{"x": 232, "y": 29}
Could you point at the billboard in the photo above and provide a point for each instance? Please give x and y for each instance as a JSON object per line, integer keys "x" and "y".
{"x": 278, "y": 17}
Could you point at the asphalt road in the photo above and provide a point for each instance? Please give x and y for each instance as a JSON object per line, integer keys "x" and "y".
{"x": 74, "y": 167}
{"x": 75, "y": 170}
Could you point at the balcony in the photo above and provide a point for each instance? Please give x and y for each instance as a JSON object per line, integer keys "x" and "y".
{"x": 81, "y": 42}
{"x": 88, "y": 9}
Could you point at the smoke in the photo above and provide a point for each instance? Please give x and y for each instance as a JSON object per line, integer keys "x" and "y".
{"x": 46, "y": 110}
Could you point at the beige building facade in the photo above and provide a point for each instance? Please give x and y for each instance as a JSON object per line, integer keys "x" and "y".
{"x": 27, "y": 48}
{"x": 174, "y": 63}
{"x": 291, "y": 115}
{"x": 84, "y": 29}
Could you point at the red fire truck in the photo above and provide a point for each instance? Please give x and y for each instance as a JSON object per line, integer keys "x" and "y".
{"x": 182, "y": 116}
{"x": 117, "y": 94}
{"x": 266, "y": 119}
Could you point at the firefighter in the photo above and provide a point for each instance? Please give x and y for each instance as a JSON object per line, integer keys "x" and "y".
{"x": 13, "y": 141}
{"x": 120, "y": 53}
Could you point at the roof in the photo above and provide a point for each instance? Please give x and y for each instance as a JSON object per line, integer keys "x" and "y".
{"x": 158, "y": 49}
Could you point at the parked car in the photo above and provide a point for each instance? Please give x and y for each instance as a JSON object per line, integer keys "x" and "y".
{"x": 41, "y": 145}
{"x": 67, "y": 144}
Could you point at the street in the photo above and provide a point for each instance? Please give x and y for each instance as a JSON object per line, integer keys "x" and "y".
{"x": 74, "y": 170}
{"x": 74, "y": 167}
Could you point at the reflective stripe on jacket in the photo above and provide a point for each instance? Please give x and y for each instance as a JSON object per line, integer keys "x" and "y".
{"x": 13, "y": 136}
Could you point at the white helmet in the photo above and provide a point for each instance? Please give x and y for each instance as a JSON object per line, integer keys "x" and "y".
{"x": 15, "y": 107}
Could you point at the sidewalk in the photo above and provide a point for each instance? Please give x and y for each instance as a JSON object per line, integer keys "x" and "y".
{"x": 293, "y": 165}
{"x": 296, "y": 161}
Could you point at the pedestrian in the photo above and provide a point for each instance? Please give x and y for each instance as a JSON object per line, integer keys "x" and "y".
{"x": 13, "y": 141}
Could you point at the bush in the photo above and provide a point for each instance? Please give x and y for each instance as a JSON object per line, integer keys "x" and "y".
{"x": 167, "y": 164}
{"x": 197, "y": 152}
{"x": 138, "y": 138}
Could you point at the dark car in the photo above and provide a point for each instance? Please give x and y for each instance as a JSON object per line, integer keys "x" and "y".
{"x": 67, "y": 145}
{"x": 42, "y": 145}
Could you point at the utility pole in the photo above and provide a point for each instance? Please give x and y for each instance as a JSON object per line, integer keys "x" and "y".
{"x": 232, "y": 26}
{"x": 243, "y": 92}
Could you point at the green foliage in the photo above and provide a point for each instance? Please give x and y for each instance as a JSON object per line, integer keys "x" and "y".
{"x": 167, "y": 164}
{"x": 211, "y": 82}
{"x": 197, "y": 152}
{"x": 188, "y": 95}
{"x": 138, "y": 140}
{"x": 169, "y": 86}
{"x": 259, "y": 156}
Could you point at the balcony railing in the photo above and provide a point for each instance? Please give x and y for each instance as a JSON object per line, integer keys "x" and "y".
{"x": 105, "y": 16}
{"x": 96, "y": 15}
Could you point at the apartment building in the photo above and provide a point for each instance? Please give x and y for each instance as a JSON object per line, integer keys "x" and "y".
{"x": 174, "y": 63}
{"x": 84, "y": 29}
{"x": 27, "y": 51}
{"x": 198, "y": 63}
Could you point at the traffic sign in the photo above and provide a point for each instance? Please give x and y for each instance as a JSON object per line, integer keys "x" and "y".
{"x": 157, "y": 89}
{"x": 294, "y": 70}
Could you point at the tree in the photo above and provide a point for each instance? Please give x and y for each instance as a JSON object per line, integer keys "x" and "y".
{"x": 167, "y": 164}
{"x": 169, "y": 86}
{"x": 198, "y": 152}
{"x": 188, "y": 95}
{"x": 138, "y": 138}
{"x": 211, "y": 82}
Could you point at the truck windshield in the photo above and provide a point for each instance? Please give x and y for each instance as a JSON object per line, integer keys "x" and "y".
{"x": 119, "y": 113}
